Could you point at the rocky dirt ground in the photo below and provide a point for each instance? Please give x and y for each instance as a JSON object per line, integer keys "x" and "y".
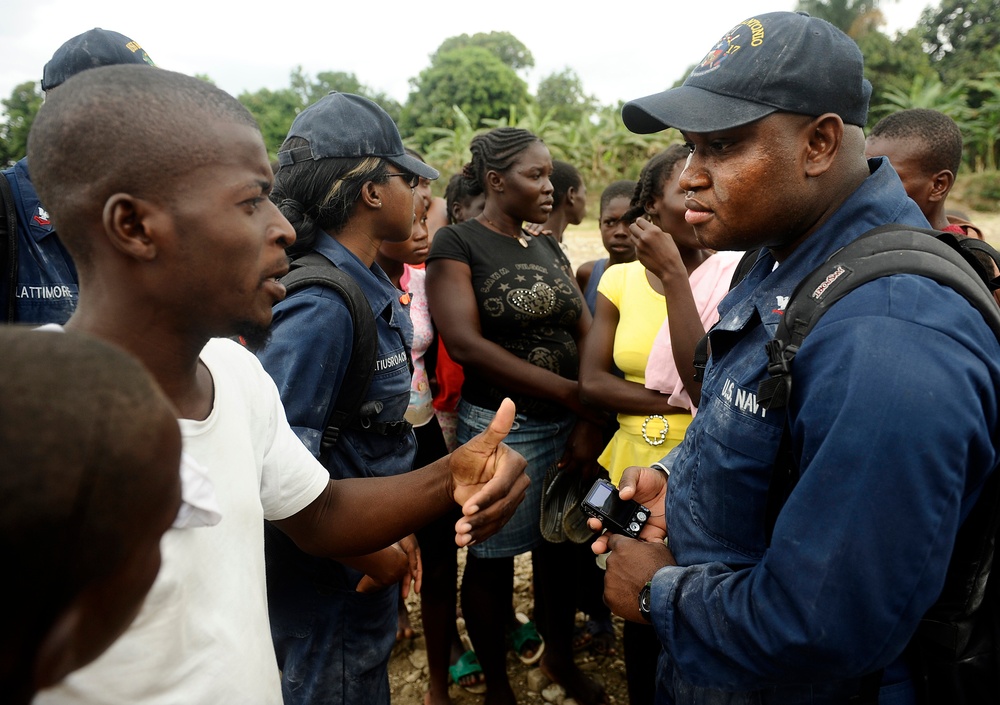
{"x": 408, "y": 667}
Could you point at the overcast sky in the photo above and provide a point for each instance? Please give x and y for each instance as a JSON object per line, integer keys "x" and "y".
{"x": 620, "y": 50}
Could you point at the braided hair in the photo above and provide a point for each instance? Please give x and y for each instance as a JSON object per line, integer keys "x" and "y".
{"x": 496, "y": 150}
{"x": 653, "y": 177}
{"x": 457, "y": 194}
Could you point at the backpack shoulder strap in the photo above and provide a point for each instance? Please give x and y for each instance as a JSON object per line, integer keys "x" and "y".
{"x": 887, "y": 250}
{"x": 963, "y": 617}
{"x": 8, "y": 245}
{"x": 883, "y": 251}
{"x": 314, "y": 269}
{"x": 743, "y": 267}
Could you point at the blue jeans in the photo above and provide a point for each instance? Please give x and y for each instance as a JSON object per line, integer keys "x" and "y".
{"x": 542, "y": 443}
{"x": 333, "y": 643}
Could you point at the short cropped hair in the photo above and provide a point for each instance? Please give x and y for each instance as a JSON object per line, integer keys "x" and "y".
{"x": 940, "y": 138}
{"x": 617, "y": 189}
{"x": 121, "y": 129}
{"x": 80, "y": 422}
{"x": 564, "y": 177}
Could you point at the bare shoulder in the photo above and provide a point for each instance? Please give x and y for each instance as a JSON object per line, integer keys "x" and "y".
{"x": 583, "y": 273}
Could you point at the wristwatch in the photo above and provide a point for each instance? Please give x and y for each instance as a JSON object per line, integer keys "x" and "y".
{"x": 644, "y": 602}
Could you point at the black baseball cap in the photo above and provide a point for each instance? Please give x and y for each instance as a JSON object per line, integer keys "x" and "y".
{"x": 348, "y": 125}
{"x": 93, "y": 48}
{"x": 777, "y": 62}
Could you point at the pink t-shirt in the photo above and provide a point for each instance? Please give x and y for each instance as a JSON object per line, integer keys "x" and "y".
{"x": 419, "y": 411}
{"x": 709, "y": 284}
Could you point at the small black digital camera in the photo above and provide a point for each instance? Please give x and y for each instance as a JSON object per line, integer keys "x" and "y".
{"x": 619, "y": 516}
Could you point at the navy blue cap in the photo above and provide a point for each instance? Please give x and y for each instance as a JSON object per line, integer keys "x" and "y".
{"x": 348, "y": 125}
{"x": 777, "y": 62}
{"x": 93, "y": 48}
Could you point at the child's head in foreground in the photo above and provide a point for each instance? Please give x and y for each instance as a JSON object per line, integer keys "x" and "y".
{"x": 90, "y": 449}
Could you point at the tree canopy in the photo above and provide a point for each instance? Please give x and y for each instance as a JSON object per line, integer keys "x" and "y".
{"x": 275, "y": 110}
{"x": 20, "y": 109}
{"x": 563, "y": 94}
{"x": 469, "y": 78}
{"x": 963, "y": 37}
{"x": 503, "y": 45}
{"x": 949, "y": 61}
{"x": 853, "y": 17}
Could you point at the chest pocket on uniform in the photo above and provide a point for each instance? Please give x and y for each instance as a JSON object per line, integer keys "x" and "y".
{"x": 729, "y": 496}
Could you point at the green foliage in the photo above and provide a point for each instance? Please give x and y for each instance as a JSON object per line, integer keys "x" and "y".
{"x": 562, "y": 93}
{"x": 532, "y": 119}
{"x": 310, "y": 91}
{"x": 274, "y": 112}
{"x": 926, "y": 93}
{"x": 326, "y": 82}
{"x": 503, "y": 45}
{"x": 20, "y": 110}
{"x": 982, "y": 131}
{"x": 448, "y": 149}
{"x": 980, "y": 191}
{"x": 853, "y": 17}
{"x": 962, "y": 36}
{"x": 471, "y": 79}
{"x": 892, "y": 65}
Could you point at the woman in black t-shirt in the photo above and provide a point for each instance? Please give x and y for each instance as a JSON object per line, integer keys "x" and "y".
{"x": 509, "y": 310}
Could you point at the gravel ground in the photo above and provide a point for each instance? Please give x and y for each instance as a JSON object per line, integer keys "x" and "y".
{"x": 408, "y": 666}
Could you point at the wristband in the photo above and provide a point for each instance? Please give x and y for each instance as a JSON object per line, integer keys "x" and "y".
{"x": 662, "y": 468}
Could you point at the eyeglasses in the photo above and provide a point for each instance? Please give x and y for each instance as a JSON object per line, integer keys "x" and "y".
{"x": 412, "y": 179}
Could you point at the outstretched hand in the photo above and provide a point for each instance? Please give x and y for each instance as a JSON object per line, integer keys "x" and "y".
{"x": 488, "y": 479}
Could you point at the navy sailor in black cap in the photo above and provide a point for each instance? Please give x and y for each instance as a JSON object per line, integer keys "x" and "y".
{"x": 345, "y": 183}
{"x": 890, "y": 436}
{"x": 40, "y": 283}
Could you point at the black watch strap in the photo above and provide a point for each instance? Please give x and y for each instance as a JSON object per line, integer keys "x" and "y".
{"x": 645, "y": 600}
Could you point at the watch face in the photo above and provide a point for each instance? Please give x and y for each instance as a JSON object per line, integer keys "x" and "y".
{"x": 644, "y": 601}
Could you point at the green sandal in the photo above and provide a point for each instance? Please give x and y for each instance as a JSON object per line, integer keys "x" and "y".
{"x": 467, "y": 665}
{"x": 523, "y": 635}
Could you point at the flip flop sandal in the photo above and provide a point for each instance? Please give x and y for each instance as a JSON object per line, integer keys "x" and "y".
{"x": 581, "y": 638}
{"x": 602, "y": 637}
{"x": 467, "y": 665}
{"x": 524, "y": 635}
